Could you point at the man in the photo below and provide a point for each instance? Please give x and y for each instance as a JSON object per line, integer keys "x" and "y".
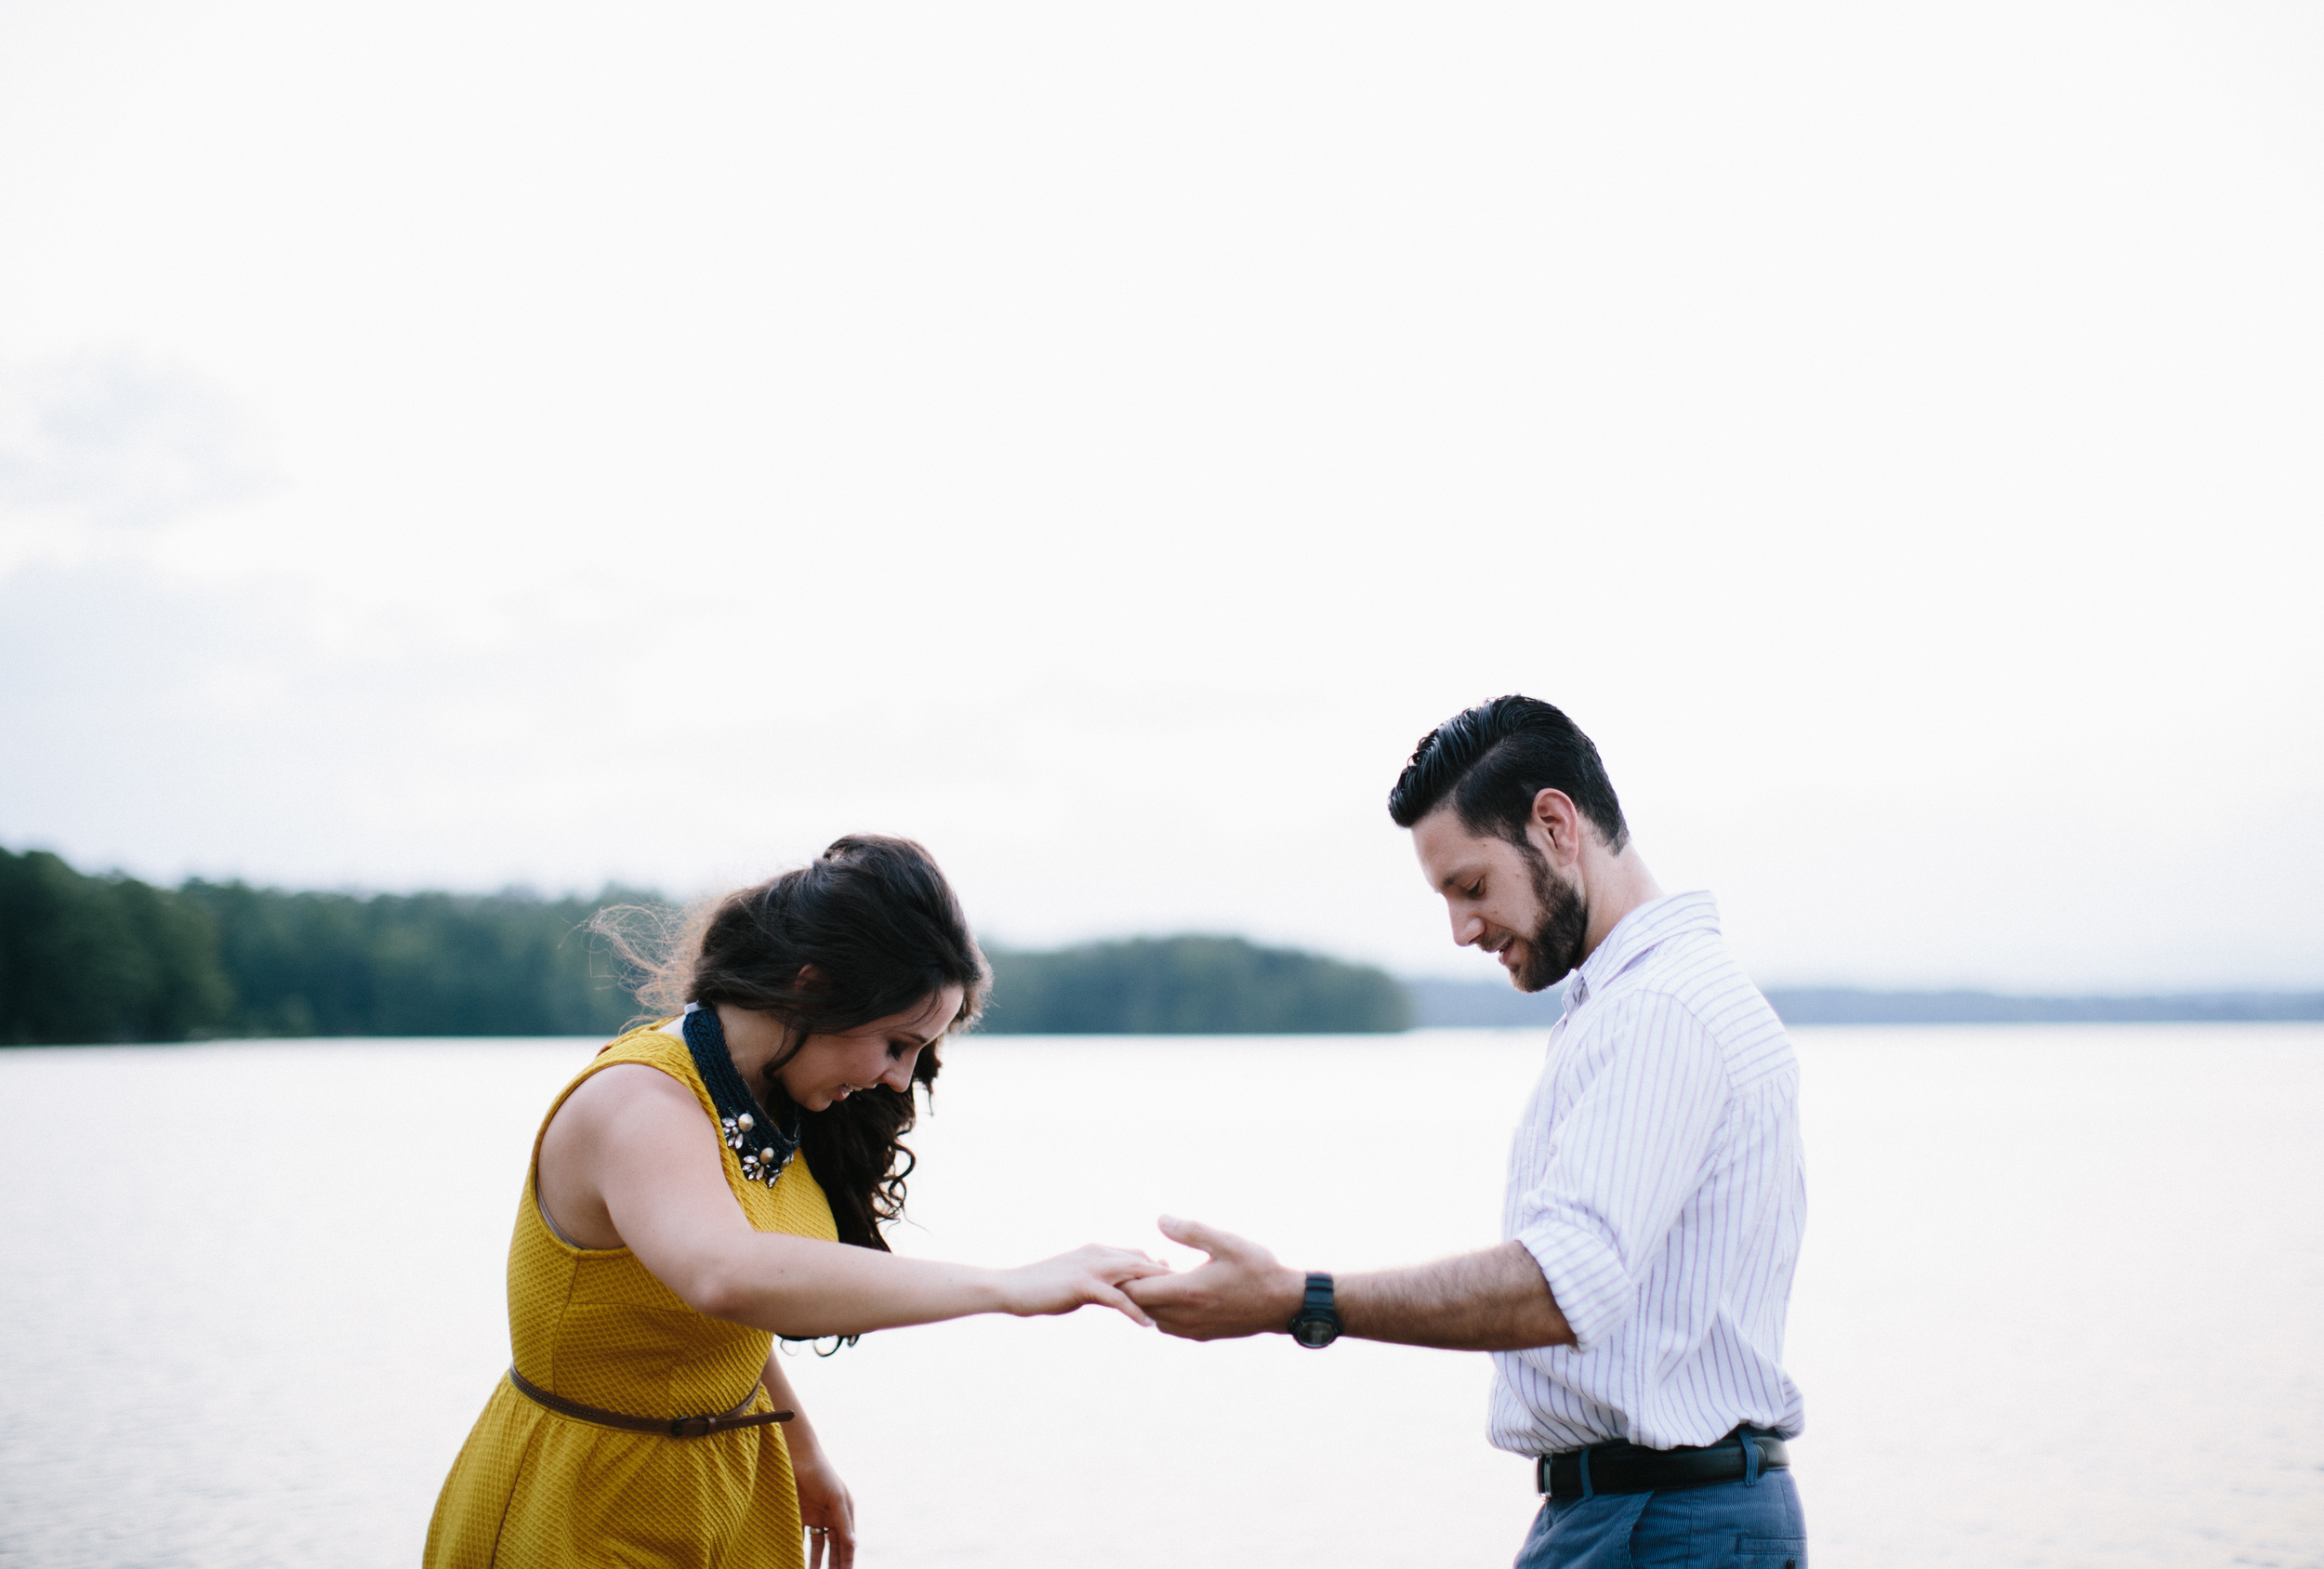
{"x": 1656, "y": 1190}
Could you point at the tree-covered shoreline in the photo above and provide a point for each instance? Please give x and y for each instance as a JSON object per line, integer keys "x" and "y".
{"x": 107, "y": 958}
{"x": 87, "y": 959}
{"x": 93, "y": 959}
{"x": 1190, "y": 985}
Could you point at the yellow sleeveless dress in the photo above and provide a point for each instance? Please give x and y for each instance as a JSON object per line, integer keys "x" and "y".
{"x": 536, "y": 1490}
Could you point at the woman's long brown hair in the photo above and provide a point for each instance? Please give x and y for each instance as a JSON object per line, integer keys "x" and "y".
{"x": 868, "y": 930}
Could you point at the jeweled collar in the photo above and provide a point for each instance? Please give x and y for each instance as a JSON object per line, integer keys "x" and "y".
{"x": 762, "y": 1147}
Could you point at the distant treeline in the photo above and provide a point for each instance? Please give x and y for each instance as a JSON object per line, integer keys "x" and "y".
{"x": 110, "y": 958}
{"x": 1482, "y": 1005}
{"x": 1492, "y": 1003}
{"x": 1834, "y": 1005}
{"x": 1190, "y": 986}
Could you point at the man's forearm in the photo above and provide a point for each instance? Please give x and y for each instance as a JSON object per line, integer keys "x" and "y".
{"x": 1491, "y": 1301}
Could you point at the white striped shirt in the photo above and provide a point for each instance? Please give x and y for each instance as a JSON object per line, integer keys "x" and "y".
{"x": 1657, "y": 1178}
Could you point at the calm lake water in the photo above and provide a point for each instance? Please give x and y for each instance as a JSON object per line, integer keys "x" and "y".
{"x": 2062, "y": 1303}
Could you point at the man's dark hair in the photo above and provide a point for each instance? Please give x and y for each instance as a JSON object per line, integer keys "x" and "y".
{"x": 1494, "y": 759}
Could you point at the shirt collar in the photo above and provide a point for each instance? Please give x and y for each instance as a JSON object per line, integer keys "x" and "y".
{"x": 1638, "y": 934}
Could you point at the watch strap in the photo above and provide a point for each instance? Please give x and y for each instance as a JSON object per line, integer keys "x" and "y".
{"x": 1317, "y": 1322}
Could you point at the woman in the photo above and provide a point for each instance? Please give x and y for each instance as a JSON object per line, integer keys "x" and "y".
{"x": 709, "y": 1183}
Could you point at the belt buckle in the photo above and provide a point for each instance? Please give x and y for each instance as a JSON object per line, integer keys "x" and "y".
{"x": 690, "y": 1427}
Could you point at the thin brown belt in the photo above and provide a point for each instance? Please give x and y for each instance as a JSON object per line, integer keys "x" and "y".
{"x": 669, "y": 1427}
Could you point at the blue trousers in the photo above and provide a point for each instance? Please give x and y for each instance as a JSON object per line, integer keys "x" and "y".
{"x": 1752, "y": 1524}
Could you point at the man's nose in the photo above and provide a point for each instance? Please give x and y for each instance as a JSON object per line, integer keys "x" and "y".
{"x": 1467, "y": 928}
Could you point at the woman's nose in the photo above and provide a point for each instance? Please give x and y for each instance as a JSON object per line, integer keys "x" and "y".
{"x": 899, "y": 1074}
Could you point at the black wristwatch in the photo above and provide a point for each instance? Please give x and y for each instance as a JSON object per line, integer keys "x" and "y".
{"x": 1318, "y": 1322}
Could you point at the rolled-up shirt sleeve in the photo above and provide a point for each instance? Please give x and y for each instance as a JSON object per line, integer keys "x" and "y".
{"x": 1629, "y": 1149}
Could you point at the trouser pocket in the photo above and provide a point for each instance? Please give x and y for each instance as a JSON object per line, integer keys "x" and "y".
{"x": 1771, "y": 1552}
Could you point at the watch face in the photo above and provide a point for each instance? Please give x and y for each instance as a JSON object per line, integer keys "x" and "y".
{"x": 1315, "y": 1333}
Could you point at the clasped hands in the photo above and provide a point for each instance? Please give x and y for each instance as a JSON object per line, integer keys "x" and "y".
{"x": 1241, "y": 1290}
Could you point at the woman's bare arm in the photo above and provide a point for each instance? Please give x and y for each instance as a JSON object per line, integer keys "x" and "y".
{"x": 630, "y": 1160}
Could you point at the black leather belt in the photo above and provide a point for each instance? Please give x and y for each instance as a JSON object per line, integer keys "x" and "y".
{"x": 1627, "y": 1468}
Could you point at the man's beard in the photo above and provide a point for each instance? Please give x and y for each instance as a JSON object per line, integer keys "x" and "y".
{"x": 1554, "y": 949}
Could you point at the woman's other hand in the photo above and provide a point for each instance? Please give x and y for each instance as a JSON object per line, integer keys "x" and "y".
{"x": 824, "y": 1508}
{"x": 1091, "y": 1274}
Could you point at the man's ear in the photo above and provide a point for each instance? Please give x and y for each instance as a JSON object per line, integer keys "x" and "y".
{"x": 1560, "y": 822}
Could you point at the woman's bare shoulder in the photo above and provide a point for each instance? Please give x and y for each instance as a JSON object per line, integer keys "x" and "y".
{"x": 628, "y": 1087}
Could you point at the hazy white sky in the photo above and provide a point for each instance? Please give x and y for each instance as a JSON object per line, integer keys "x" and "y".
{"x": 466, "y": 444}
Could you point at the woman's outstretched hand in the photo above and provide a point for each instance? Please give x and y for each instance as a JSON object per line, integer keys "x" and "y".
{"x": 1091, "y": 1274}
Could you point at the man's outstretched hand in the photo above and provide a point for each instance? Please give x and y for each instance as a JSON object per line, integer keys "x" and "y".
{"x": 1241, "y": 1291}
